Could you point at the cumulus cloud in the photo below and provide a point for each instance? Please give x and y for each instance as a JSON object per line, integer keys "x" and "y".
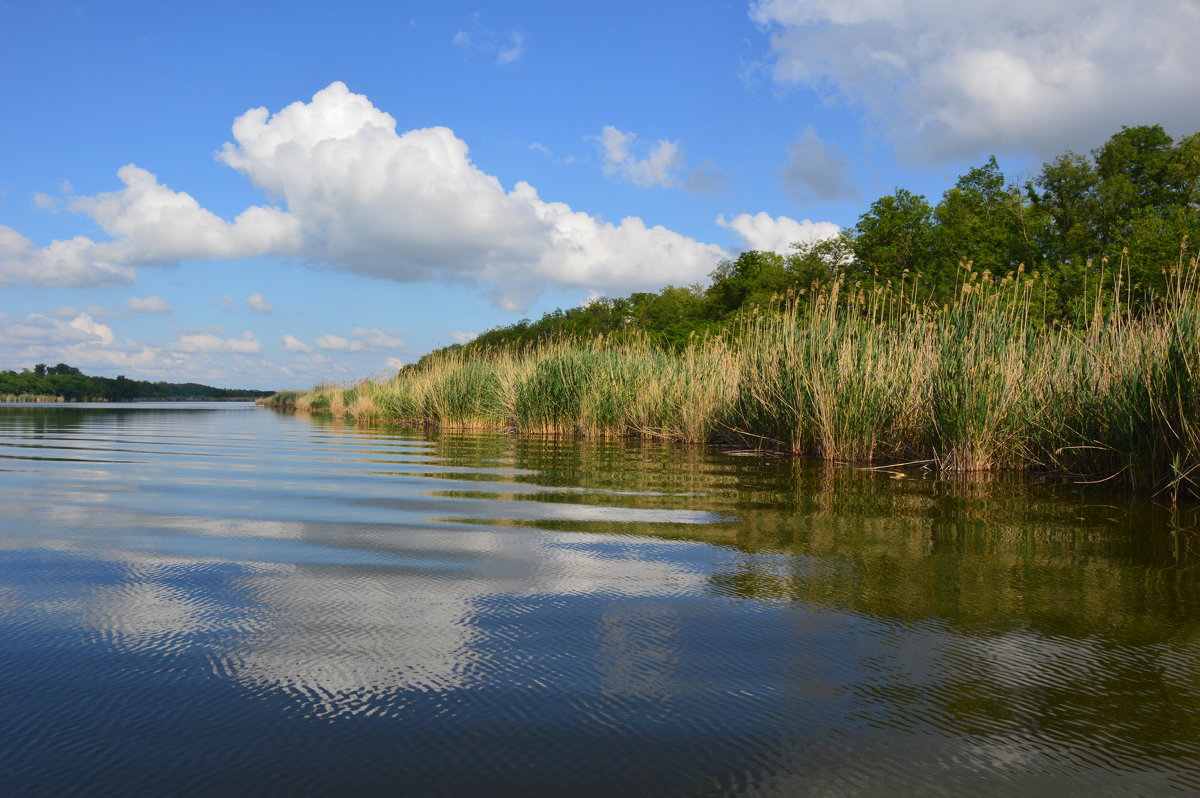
{"x": 377, "y": 339}
{"x": 150, "y": 224}
{"x": 74, "y": 262}
{"x": 293, "y": 344}
{"x": 82, "y": 341}
{"x": 89, "y": 326}
{"x": 816, "y": 170}
{"x": 44, "y": 202}
{"x": 150, "y": 304}
{"x": 210, "y": 342}
{"x": 657, "y": 168}
{"x": 460, "y": 337}
{"x": 952, "y": 79}
{"x": 360, "y": 340}
{"x": 413, "y": 206}
{"x": 361, "y": 197}
{"x": 258, "y": 304}
{"x": 776, "y": 233}
{"x": 336, "y": 343}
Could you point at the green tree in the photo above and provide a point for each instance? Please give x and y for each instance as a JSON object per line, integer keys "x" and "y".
{"x": 985, "y": 221}
{"x": 820, "y": 262}
{"x": 1132, "y": 166}
{"x": 1067, "y": 191}
{"x": 750, "y": 279}
{"x": 893, "y": 236}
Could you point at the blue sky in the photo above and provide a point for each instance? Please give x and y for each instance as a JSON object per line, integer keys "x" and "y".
{"x": 421, "y": 172}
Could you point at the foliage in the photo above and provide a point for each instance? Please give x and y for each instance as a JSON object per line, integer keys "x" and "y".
{"x": 1135, "y": 200}
{"x": 70, "y": 384}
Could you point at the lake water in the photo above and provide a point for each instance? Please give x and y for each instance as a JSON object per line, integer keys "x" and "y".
{"x": 219, "y": 599}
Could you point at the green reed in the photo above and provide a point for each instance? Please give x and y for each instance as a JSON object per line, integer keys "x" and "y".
{"x": 862, "y": 374}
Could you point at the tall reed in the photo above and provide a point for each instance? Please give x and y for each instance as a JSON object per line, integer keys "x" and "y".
{"x": 859, "y": 373}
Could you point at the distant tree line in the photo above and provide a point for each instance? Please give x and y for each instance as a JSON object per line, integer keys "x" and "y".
{"x": 73, "y": 385}
{"x": 1128, "y": 208}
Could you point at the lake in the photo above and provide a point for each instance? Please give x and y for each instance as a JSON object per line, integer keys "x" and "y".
{"x": 201, "y": 599}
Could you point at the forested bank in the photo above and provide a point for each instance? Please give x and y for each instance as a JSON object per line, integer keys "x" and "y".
{"x": 1131, "y": 204}
{"x": 66, "y": 383}
{"x": 1052, "y": 327}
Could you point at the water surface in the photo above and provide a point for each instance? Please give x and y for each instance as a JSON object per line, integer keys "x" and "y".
{"x": 214, "y": 598}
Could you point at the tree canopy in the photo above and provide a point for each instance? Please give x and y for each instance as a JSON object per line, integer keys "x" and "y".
{"x": 73, "y": 385}
{"x": 1131, "y": 204}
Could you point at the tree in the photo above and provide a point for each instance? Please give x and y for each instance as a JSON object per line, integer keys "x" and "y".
{"x": 820, "y": 262}
{"x": 1067, "y": 191}
{"x": 1132, "y": 166}
{"x": 752, "y": 279}
{"x": 893, "y": 236}
{"x": 985, "y": 221}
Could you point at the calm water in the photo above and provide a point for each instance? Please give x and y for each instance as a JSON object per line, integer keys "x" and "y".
{"x": 217, "y": 599}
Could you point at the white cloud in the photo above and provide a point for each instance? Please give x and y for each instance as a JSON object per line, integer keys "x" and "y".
{"x": 951, "y": 79}
{"x": 366, "y": 199}
{"x": 150, "y": 224}
{"x": 816, "y": 170}
{"x": 38, "y": 329}
{"x": 150, "y": 304}
{"x": 258, "y": 304}
{"x": 44, "y": 202}
{"x": 394, "y": 363}
{"x": 377, "y": 339}
{"x": 360, "y": 340}
{"x": 460, "y": 337}
{"x": 507, "y": 48}
{"x": 336, "y": 343}
{"x": 80, "y": 342}
{"x": 511, "y": 52}
{"x": 75, "y": 262}
{"x": 657, "y": 168}
{"x": 86, "y": 324}
{"x": 210, "y": 342}
{"x": 293, "y": 344}
{"x": 153, "y": 224}
{"x": 413, "y": 206}
{"x": 776, "y": 234}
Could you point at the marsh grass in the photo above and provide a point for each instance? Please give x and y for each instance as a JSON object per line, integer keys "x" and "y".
{"x": 860, "y": 374}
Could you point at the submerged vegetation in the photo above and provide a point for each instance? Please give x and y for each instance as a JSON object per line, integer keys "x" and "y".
{"x": 1007, "y": 328}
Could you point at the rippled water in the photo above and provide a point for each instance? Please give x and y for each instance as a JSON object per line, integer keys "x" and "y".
{"x": 217, "y": 599}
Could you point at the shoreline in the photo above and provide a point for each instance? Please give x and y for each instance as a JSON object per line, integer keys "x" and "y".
{"x": 855, "y": 377}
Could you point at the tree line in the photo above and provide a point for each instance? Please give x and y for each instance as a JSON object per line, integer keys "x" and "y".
{"x": 1121, "y": 213}
{"x": 73, "y": 385}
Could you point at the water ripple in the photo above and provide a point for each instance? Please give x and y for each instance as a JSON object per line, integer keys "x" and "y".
{"x": 219, "y": 600}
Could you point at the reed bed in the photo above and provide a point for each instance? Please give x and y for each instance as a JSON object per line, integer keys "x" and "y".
{"x": 860, "y": 374}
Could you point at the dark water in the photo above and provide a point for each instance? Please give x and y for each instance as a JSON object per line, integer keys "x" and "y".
{"x": 216, "y": 599}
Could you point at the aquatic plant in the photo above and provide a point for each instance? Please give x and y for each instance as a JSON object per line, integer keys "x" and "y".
{"x": 863, "y": 373}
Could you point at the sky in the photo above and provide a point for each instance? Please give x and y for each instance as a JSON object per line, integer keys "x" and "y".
{"x": 269, "y": 195}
